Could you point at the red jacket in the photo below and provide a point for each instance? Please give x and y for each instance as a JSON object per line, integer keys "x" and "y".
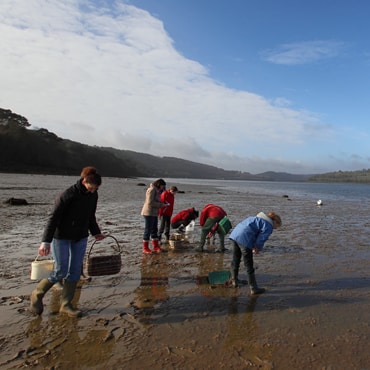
{"x": 167, "y": 197}
{"x": 185, "y": 215}
{"x": 211, "y": 211}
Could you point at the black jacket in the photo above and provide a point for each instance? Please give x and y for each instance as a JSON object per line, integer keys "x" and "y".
{"x": 73, "y": 215}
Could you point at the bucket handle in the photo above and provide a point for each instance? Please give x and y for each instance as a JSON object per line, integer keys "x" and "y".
{"x": 46, "y": 259}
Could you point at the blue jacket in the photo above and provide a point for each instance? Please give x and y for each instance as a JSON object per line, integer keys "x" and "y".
{"x": 252, "y": 232}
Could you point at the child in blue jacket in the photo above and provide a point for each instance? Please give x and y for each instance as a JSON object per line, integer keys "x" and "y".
{"x": 250, "y": 236}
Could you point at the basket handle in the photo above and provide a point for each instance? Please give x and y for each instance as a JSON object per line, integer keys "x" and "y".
{"x": 116, "y": 248}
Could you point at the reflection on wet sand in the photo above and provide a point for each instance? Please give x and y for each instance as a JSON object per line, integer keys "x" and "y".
{"x": 152, "y": 288}
{"x": 242, "y": 336}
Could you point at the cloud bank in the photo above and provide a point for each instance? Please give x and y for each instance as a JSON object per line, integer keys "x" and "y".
{"x": 111, "y": 76}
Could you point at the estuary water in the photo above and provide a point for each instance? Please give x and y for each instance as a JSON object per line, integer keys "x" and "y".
{"x": 309, "y": 190}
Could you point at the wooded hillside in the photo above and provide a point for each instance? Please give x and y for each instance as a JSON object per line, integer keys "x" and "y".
{"x": 24, "y": 150}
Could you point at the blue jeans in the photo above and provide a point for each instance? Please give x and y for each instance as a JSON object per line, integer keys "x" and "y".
{"x": 238, "y": 252}
{"x": 68, "y": 256}
{"x": 151, "y": 227}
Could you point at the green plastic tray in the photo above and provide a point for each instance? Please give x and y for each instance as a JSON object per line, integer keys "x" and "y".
{"x": 219, "y": 277}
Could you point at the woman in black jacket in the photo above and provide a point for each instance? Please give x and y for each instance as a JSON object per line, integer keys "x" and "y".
{"x": 66, "y": 235}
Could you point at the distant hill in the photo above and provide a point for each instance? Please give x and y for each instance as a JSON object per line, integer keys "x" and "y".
{"x": 40, "y": 151}
{"x": 152, "y": 166}
{"x": 24, "y": 150}
{"x": 362, "y": 176}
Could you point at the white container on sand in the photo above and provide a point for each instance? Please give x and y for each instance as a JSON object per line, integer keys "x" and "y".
{"x": 190, "y": 227}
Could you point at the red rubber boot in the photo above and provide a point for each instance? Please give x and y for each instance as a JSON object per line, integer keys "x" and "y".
{"x": 146, "y": 248}
{"x": 157, "y": 248}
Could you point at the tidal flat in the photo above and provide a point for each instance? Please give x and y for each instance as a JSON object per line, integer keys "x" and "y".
{"x": 158, "y": 312}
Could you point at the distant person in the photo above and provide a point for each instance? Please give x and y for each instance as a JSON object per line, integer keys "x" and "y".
{"x": 183, "y": 219}
{"x": 209, "y": 216}
{"x": 165, "y": 213}
{"x": 150, "y": 211}
{"x": 66, "y": 236}
{"x": 248, "y": 237}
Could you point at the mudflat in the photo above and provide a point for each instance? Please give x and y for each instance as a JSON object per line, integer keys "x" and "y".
{"x": 160, "y": 312}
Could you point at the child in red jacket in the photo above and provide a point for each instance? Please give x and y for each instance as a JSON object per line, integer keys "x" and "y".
{"x": 165, "y": 213}
{"x": 183, "y": 219}
{"x": 210, "y": 215}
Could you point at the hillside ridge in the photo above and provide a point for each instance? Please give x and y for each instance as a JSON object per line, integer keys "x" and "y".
{"x": 26, "y": 150}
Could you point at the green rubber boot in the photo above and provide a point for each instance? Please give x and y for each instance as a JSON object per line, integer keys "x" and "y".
{"x": 222, "y": 248}
{"x": 36, "y": 305}
{"x": 253, "y": 285}
{"x": 202, "y": 241}
{"x": 234, "y": 278}
{"x": 68, "y": 293}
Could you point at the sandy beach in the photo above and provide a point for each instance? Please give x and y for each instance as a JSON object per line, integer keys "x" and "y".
{"x": 158, "y": 312}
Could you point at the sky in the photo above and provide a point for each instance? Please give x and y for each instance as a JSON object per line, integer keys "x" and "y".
{"x": 243, "y": 85}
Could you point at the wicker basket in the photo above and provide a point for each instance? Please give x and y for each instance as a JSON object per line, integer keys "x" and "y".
{"x": 175, "y": 244}
{"x": 103, "y": 264}
{"x": 177, "y": 236}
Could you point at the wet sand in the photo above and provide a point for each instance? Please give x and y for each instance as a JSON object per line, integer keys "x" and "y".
{"x": 158, "y": 313}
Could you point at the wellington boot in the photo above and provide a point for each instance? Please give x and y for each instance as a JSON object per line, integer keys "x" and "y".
{"x": 257, "y": 291}
{"x": 234, "y": 278}
{"x": 68, "y": 293}
{"x": 146, "y": 248}
{"x": 36, "y": 305}
{"x": 157, "y": 248}
{"x": 58, "y": 286}
{"x": 253, "y": 285}
{"x": 234, "y": 283}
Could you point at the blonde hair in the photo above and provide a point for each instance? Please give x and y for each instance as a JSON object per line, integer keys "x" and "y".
{"x": 91, "y": 176}
{"x": 275, "y": 217}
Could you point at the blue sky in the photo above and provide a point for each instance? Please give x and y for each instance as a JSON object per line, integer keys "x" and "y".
{"x": 244, "y": 85}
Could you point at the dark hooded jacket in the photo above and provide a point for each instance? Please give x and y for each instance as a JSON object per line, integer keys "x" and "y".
{"x": 73, "y": 215}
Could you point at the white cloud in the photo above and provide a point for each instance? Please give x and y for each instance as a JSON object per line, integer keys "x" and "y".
{"x": 111, "y": 77}
{"x": 303, "y": 52}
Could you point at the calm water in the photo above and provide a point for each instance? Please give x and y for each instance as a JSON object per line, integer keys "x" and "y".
{"x": 324, "y": 191}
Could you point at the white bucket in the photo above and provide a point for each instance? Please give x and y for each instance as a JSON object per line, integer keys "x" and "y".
{"x": 189, "y": 232}
{"x": 190, "y": 227}
{"x": 41, "y": 269}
